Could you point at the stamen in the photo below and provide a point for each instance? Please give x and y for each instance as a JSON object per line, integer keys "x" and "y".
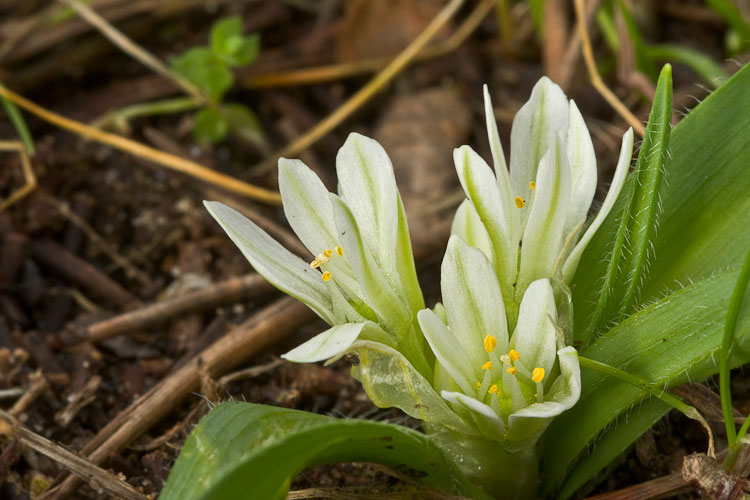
{"x": 328, "y": 253}
{"x": 487, "y": 366}
{"x": 505, "y": 359}
{"x": 493, "y": 389}
{"x": 479, "y": 384}
{"x": 519, "y": 202}
{"x": 315, "y": 264}
{"x": 327, "y": 276}
{"x": 532, "y": 185}
{"x": 339, "y": 251}
{"x": 511, "y": 370}
{"x": 537, "y": 375}
{"x": 513, "y": 355}
{"x": 490, "y": 343}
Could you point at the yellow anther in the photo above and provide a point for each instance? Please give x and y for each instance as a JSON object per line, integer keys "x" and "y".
{"x": 513, "y": 355}
{"x": 315, "y": 263}
{"x": 479, "y": 384}
{"x": 537, "y": 375}
{"x": 493, "y": 389}
{"x": 532, "y": 185}
{"x": 327, "y": 276}
{"x": 487, "y": 366}
{"x": 339, "y": 251}
{"x": 490, "y": 343}
{"x": 511, "y": 370}
{"x": 327, "y": 253}
{"x": 519, "y": 202}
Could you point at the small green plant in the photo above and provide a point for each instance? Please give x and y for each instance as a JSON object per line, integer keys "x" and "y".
{"x": 510, "y": 385}
{"x": 210, "y": 68}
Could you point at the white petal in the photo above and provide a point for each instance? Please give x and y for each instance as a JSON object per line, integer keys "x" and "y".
{"x": 582, "y": 162}
{"x": 368, "y": 186}
{"x": 623, "y": 164}
{"x": 307, "y": 207}
{"x": 485, "y": 418}
{"x": 377, "y": 292}
{"x": 468, "y": 226}
{"x": 449, "y": 355}
{"x": 535, "y": 127}
{"x": 501, "y": 169}
{"x": 481, "y": 187}
{"x": 327, "y": 344}
{"x": 473, "y": 301}
{"x": 527, "y": 425}
{"x": 535, "y": 336}
{"x": 542, "y": 238}
{"x": 279, "y": 266}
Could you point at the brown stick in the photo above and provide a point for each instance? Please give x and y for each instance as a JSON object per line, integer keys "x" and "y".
{"x": 77, "y": 270}
{"x": 81, "y": 467}
{"x": 225, "y": 292}
{"x": 265, "y": 328}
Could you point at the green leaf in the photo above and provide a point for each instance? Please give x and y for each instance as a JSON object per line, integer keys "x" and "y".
{"x": 206, "y": 70}
{"x": 16, "y": 118}
{"x": 209, "y": 126}
{"x": 619, "y": 292}
{"x": 229, "y": 44}
{"x": 703, "y": 231}
{"x": 244, "y": 450}
{"x": 671, "y": 341}
{"x": 732, "y": 16}
{"x": 703, "y": 224}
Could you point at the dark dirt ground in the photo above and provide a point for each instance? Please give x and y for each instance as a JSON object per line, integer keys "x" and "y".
{"x": 104, "y": 232}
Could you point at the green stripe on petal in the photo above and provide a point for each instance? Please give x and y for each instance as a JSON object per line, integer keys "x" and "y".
{"x": 542, "y": 238}
{"x": 480, "y": 186}
{"x": 450, "y": 356}
{"x": 473, "y": 300}
{"x": 484, "y": 417}
{"x": 279, "y": 266}
{"x": 535, "y": 336}
{"x": 468, "y": 226}
{"x": 513, "y": 219}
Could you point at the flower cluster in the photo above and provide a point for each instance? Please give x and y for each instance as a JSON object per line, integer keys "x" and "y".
{"x": 489, "y": 364}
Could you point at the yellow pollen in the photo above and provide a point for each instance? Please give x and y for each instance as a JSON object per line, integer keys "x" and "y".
{"x": 339, "y": 251}
{"x": 537, "y": 375}
{"x": 490, "y": 343}
{"x": 513, "y": 355}
{"x": 487, "y": 366}
{"x": 511, "y": 370}
{"x": 327, "y": 277}
{"x": 519, "y": 202}
{"x": 327, "y": 253}
{"x": 493, "y": 389}
{"x": 532, "y": 185}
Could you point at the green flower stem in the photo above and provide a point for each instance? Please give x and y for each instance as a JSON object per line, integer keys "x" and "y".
{"x": 724, "y": 379}
{"x": 163, "y": 107}
{"x": 510, "y": 476}
{"x": 655, "y": 391}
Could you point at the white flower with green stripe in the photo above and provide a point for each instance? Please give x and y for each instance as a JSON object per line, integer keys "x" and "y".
{"x": 529, "y": 220}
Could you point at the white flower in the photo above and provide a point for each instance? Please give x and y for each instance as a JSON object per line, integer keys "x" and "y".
{"x": 537, "y": 209}
{"x": 507, "y": 387}
{"x": 361, "y": 279}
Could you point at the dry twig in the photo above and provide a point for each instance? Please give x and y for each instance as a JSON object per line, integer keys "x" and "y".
{"x": 596, "y": 80}
{"x": 28, "y": 173}
{"x": 139, "y": 150}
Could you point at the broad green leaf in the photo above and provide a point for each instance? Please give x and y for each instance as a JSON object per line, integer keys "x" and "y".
{"x": 210, "y": 126}
{"x": 228, "y": 42}
{"x": 244, "y": 450}
{"x": 703, "y": 224}
{"x": 206, "y": 70}
{"x": 670, "y": 341}
{"x": 619, "y": 287}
